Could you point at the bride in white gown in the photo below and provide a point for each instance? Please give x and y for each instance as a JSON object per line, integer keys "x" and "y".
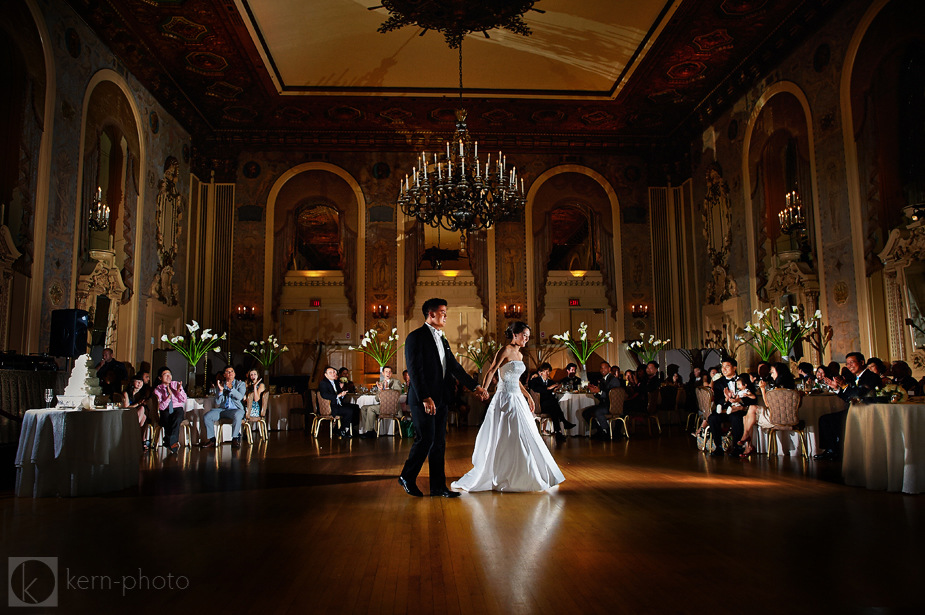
{"x": 509, "y": 453}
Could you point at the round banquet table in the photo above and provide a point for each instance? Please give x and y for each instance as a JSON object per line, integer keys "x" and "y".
{"x": 77, "y": 452}
{"x": 885, "y": 447}
{"x": 572, "y": 404}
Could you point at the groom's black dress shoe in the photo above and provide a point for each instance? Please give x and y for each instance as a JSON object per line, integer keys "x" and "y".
{"x": 410, "y": 488}
{"x": 446, "y": 493}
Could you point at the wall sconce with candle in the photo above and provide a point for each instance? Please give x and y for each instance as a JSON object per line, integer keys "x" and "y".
{"x": 380, "y": 311}
{"x": 640, "y": 310}
{"x": 245, "y": 312}
{"x": 512, "y": 311}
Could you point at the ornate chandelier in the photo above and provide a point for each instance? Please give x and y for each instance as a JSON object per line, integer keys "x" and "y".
{"x": 456, "y": 189}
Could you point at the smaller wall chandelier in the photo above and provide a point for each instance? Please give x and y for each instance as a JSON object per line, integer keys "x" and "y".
{"x": 99, "y": 212}
{"x": 512, "y": 311}
{"x": 380, "y": 311}
{"x": 640, "y": 310}
{"x": 792, "y": 218}
{"x": 246, "y": 312}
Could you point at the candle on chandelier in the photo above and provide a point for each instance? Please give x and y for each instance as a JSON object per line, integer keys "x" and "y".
{"x": 460, "y": 147}
{"x": 99, "y": 194}
{"x": 476, "y": 150}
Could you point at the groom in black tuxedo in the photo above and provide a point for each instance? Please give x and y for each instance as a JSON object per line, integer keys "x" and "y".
{"x": 431, "y": 365}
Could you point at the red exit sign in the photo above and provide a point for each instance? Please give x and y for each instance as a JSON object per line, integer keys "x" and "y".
{"x": 574, "y": 302}
{"x": 316, "y": 302}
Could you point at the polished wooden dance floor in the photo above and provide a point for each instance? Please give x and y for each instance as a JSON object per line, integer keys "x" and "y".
{"x": 299, "y": 525}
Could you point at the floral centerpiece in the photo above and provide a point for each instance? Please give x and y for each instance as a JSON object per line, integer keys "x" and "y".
{"x": 583, "y": 347}
{"x": 266, "y": 352}
{"x": 480, "y": 352}
{"x": 647, "y": 349}
{"x": 777, "y": 329}
{"x": 194, "y": 347}
{"x": 888, "y": 393}
{"x": 380, "y": 350}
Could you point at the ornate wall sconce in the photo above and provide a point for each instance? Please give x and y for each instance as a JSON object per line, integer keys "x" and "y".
{"x": 512, "y": 311}
{"x": 380, "y": 312}
{"x": 99, "y": 212}
{"x": 246, "y": 312}
{"x": 640, "y": 310}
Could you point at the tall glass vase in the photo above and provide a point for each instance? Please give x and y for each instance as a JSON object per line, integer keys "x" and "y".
{"x": 583, "y": 375}
{"x": 191, "y": 379}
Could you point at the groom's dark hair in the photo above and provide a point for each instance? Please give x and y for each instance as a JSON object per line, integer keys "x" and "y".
{"x": 432, "y": 305}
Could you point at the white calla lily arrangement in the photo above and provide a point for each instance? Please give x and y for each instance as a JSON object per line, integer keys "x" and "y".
{"x": 380, "y": 350}
{"x": 480, "y": 352}
{"x": 195, "y": 345}
{"x": 266, "y": 351}
{"x": 583, "y": 347}
{"x": 648, "y": 349}
{"x": 777, "y": 329}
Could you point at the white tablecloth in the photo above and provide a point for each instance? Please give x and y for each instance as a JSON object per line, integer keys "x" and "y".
{"x": 885, "y": 447}
{"x": 77, "y": 452}
{"x": 811, "y": 408}
{"x": 572, "y": 404}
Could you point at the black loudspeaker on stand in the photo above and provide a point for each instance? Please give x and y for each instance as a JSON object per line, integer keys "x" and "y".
{"x": 68, "y": 333}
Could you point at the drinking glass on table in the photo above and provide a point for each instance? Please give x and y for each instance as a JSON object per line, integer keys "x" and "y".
{"x": 49, "y": 395}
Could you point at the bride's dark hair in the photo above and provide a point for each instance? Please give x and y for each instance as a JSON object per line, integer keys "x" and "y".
{"x": 515, "y": 328}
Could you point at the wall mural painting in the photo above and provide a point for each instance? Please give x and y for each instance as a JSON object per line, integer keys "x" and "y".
{"x": 169, "y": 217}
{"x": 717, "y": 222}
{"x": 317, "y": 239}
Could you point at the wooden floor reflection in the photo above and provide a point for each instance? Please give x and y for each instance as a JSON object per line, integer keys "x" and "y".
{"x": 299, "y": 525}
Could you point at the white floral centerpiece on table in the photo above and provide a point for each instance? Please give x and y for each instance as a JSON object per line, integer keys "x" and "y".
{"x": 777, "y": 329}
{"x": 380, "y": 350}
{"x": 480, "y": 352}
{"x": 266, "y": 352}
{"x": 583, "y": 347}
{"x": 194, "y": 347}
{"x": 648, "y": 349}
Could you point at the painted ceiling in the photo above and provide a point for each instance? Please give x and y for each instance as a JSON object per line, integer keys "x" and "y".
{"x": 593, "y": 74}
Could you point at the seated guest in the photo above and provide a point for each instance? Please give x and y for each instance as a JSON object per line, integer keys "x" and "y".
{"x": 653, "y": 377}
{"x": 370, "y": 413}
{"x": 171, "y": 399}
{"x": 714, "y": 371}
{"x": 405, "y": 381}
{"x": 745, "y": 399}
{"x": 227, "y": 404}
{"x": 541, "y": 384}
{"x": 252, "y": 393}
{"x": 832, "y": 425}
{"x": 779, "y": 377}
{"x": 902, "y": 375}
{"x": 724, "y": 412}
{"x": 332, "y": 389}
{"x": 675, "y": 380}
{"x": 136, "y": 397}
{"x": 807, "y": 375}
{"x": 571, "y": 380}
{"x": 608, "y": 380}
{"x": 636, "y": 399}
{"x": 875, "y": 365}
{"x": 764, "y": 371}
{"x": 343, "y": 375}
{"x": 111, "y": 374}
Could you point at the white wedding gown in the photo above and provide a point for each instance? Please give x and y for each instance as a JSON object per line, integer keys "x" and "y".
{"x": 509, "y": 453}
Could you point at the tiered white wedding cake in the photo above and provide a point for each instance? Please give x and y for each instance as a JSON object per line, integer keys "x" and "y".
{"x": 82, "y": 384}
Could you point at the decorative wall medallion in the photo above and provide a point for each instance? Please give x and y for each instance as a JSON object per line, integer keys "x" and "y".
{"x": 224, "y": 91}
{"x": 185, "y": 153}
{"x": 548, "y": 116}
{"x": 644, "y": 118}
{"x": 687, "y": 71}
{"x": 182, "y": 29}
{"x": 639, "y": 324}
{"x": 251, "y": 170}
{"x": 444, "y": 114}
{"x": 596, "y": 117}
{"x": 741, "y": 7}
{"x": 666, "y": 97}
{"x": 381, "y": 170}
{"x": 840, "y": 293}
{"x": 344, "y": 113}
{"x": 72, "y": 42}
{"x": 206, "y": 63}
{"x": 154, "y": 122}
{"x": 240, "y": 114}
{"x": 822, "y": 57}
{"x": 733, "y": 130}
{"x": 716, "y": 40}
{"x": 396, "y": 115}
{"x": 292, "y": 114}
{"x": 55, "y": 294}
{"x": 498, "y": 117}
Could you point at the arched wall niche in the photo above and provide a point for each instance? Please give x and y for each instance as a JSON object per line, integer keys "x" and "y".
{"x": 320, "y": 333}
{"x": 600, "y": 293}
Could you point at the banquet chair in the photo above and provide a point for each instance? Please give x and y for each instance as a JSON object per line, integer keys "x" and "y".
{"x": 261, "y": 421}
{"x": 302, "y": 413}
{"x": 650, "y": 414}
{"x": 157, "y": 432}
{"x": 615, "y": 414}
{"x": 323, "y": 415}
{"x": 542, "y": 420}
{"x": 784, "y": 413}
{"x": 389, "y": 410}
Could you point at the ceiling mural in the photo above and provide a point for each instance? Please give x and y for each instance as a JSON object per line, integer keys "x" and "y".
{"x": 592, "y": 74}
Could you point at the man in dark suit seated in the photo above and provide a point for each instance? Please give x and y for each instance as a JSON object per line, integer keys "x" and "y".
{"x": 571, "y": 380}
{"x": 724, "y": 412}
{"x": 332, "y": 390}
{"x": 548, "y": 403}
{"x": 111, "y": 374}
{"x": 832, "y": 425}
{"x": 610, "y": 379}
